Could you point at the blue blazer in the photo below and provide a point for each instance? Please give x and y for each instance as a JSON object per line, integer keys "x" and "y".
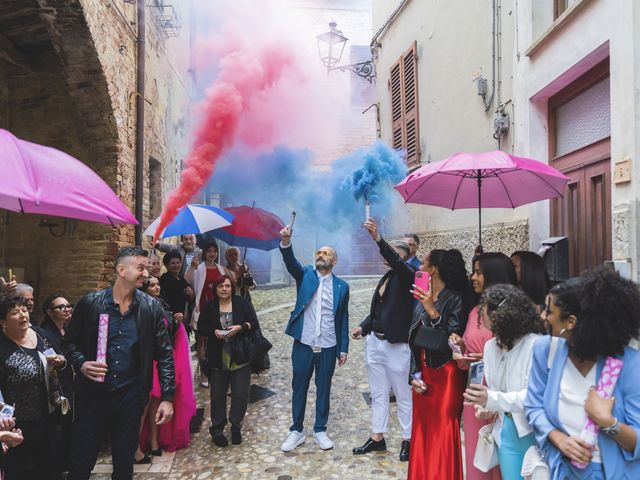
{"x": 541, "y": 407}
{"x": 306, "y": 285}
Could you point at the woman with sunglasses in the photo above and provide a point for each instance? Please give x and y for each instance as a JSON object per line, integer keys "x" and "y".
{"x": 57, "y": 314}
{"x": 595, "y": 316}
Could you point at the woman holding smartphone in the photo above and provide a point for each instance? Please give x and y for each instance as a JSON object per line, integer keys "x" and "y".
{"x": 488, "y": 269}
{"x": 223, "y": 320}
{"x": 512, "y": 318}
{"x": 438, "y": 384}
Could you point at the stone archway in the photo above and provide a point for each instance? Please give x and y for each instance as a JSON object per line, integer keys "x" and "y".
{"x": 54, "y": 90}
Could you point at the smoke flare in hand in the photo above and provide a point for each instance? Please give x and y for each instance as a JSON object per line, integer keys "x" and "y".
{"x": 243, "y": 77}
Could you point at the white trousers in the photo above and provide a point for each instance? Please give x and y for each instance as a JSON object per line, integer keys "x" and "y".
{"x": 388, "y": 367}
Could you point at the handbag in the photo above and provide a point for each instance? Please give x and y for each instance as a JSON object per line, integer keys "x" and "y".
{"x": 430, "y": 338}
{"x": 486, "y": 456}
{"x": 533, "y": 465}
{"x": 248, "y": 347}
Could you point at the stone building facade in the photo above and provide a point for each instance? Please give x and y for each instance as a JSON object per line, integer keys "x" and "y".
{"x": 68, "y": 80}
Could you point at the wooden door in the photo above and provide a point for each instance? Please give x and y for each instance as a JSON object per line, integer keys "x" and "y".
{"x": 584, "y": 214}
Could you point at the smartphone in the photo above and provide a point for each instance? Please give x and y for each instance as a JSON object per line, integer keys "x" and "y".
{"x": 421, "y": 279}
{"x": 7, "y": 411}
{"x": 455, "y": 348}
{"x": 225, "y": 333}
{"x": 476, "y": 373}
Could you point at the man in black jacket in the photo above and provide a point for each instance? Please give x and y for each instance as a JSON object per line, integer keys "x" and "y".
{"x": 387, "y": 353}
{"x": 113, "y": 394}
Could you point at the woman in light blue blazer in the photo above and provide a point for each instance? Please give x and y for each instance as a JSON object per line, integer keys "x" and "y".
{"x": 596, "y": 316}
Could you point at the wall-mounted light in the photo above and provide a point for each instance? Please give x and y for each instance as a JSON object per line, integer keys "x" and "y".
{"x": 330, "y": 49}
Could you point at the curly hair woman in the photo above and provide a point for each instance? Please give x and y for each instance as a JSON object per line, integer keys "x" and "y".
{"x": 595, "y": 317}
{"x": 512, "y": 318}
{"x": 437, "y": 382}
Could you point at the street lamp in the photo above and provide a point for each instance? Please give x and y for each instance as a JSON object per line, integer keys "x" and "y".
{"x": 330, "y": 49}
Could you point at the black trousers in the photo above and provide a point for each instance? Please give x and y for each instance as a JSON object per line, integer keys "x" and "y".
{"x": 240, "y": 381}
{"x": 120, "y": 412}
{"x": 35, "y": 457}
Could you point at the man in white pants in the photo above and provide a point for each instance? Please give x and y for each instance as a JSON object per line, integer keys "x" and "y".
{"x": 387, "y": 352}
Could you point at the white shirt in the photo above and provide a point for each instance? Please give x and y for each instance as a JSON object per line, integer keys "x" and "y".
{"x": 507, "y": 377}
{"x": 574, "y": 389}
{"x": 318, "y": 329}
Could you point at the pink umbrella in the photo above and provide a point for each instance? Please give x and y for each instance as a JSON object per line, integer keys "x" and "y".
{"x": 485, "y": 179}
{"x": 44, "y": 180}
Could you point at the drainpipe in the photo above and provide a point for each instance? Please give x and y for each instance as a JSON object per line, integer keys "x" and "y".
{"x": 141, "y": 54}
{"x": 374, "y": 41}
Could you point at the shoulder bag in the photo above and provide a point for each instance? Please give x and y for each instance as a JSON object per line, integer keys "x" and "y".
{"x": 430, "y": 337}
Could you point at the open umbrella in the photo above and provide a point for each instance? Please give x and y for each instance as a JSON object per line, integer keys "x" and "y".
{"x": 484, "y": 179}
{"x": 46, "y": 181}
{"x": 193, "y": 218}
{"x": 252, "y": 228}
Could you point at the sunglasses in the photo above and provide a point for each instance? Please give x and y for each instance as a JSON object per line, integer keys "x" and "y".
{"x": 68, "y": 306}
{"x": 325, "y": 253}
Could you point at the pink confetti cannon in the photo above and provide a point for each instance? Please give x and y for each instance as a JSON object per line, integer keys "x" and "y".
{"x": 103, "y": 334}
{"x": 606, "y": 386}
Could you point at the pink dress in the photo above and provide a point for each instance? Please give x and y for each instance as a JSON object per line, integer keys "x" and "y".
{"x": 475, "y": 336}
{"x": 174, "y": 435}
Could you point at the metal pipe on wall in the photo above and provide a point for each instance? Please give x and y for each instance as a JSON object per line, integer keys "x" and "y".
{"x": 140, "y": 85}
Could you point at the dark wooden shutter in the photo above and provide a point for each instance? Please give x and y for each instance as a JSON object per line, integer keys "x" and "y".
{"x": 410, "y": 94}
{"x": 403, "y": 84}
{"x": 397, "y": 117}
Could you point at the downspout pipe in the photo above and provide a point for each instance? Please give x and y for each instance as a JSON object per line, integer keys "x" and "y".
{"x": 374, "y": 41}
{"x": 140, "y": 95}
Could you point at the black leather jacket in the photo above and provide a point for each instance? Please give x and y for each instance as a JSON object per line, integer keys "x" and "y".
{"x": 453, "y": 317}
{"x": 80, "y": 342}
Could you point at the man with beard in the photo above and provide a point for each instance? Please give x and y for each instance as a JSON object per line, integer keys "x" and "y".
{"x": 319, "y": 325}
{"x": 112, "y": 394}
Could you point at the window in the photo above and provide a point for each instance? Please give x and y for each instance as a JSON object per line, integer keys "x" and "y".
{"x": 403, "y": 83}
{"x": 155, "y": 188}
{"x": 559, "y": 6}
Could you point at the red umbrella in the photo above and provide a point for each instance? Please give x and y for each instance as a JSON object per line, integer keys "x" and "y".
{"x": 252, "y": 228}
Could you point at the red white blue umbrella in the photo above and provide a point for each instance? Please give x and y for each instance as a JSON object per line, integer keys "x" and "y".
{"x": 194, "y": 219}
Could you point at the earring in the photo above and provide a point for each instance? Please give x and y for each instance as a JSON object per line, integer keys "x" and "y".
{"x": 562, "y": 331}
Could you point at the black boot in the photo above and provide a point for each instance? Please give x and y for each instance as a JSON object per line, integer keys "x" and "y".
{"x": 404, "y": 451}
{"x": 219, "y": 439}
{"x": 236, "y": 437}
{"x": 371, "y": 446}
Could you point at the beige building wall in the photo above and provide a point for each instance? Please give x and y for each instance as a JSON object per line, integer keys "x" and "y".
{"x": 454, "y": 45}
{"x": 551, "y": 55}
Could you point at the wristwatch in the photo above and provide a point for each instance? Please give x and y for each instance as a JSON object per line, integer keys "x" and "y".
{"x": 613, "y": 430}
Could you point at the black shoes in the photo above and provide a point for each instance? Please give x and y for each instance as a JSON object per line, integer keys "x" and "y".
{"x": 236, "y": 438}
{"x": 371, "y": 446}
{"x": 220, "y": 440}
{"x": 157, "y": 452}
{"x": 404, "y": 451}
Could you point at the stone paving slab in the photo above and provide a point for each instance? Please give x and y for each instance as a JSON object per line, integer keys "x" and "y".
{"x": 267, "y": 421}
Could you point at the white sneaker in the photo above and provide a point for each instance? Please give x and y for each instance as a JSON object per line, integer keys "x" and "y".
{"x": 294, "y": 439}
{"x": 322, "y": 439}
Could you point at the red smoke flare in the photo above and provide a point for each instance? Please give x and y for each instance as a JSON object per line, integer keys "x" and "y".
{"x": 242, "y": 77}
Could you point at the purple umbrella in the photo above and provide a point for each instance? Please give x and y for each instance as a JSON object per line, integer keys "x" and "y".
{"x": 485, "y": 179}
{"x": 46, "y": 181}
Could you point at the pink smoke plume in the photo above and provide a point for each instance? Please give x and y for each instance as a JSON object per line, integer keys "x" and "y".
{"x": 243, "y": 81}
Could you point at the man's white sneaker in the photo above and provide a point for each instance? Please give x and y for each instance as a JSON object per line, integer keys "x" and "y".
{"x": 323, "y": 440}
{"x": 294, "y": 439}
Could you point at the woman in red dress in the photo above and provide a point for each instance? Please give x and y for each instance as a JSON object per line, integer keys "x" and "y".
{"x": 438, "y": 383}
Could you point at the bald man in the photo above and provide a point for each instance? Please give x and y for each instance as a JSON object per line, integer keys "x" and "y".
{"x": 319, "y": 325}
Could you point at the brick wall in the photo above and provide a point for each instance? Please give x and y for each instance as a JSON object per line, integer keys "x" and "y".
{"x": 81, "y": 98}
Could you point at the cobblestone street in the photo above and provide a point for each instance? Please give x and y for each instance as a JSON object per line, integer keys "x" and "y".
{"x": 267, "y": 421}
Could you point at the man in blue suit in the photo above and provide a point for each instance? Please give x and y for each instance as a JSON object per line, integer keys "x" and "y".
{"x": 319, "y": 324}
